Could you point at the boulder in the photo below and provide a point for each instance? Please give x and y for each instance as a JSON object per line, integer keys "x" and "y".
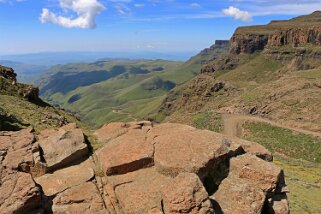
{"x": 113, "y": 130}
{"x": 63, "y": 146}
{"x": 185, "y": 149}
{"x": 84, "y": 198}
{"x": 186, "y": 194}
{"x": 65, "y": 178}
{"x": 126, "y": 153}
{"x": 265, "y": 175}
{"x": 147, "y": 191}
{"x": 17, "y": 149}
{"x": 19, "y": 193}
{"x": 236, "y": 195}
{"x": 251, "y": 183}
{"x": 255, "y": 149}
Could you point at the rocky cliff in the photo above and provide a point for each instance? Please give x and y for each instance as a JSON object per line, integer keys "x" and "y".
{"x": 142, "y": 168}
{"x": 295, "y": 32}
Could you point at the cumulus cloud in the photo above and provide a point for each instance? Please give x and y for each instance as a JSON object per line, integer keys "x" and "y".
{"x": 238, "y": 14}
{"x": 86, "y": 11}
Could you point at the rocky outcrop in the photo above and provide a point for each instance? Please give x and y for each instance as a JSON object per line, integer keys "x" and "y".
{"x": 63, "y": 146}
{"x": 142, "y": 168}
{"x": 19, "y": 192}
{"x": 8, "y": 73}
{"x": 261, "y": 182}
{"x": 248, "y": 43}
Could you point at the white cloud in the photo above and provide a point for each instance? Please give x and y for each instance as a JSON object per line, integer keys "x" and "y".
{"x": 86, "y": 11}
{"x": 195, "y": 5}
{"x": 238, "y": 14}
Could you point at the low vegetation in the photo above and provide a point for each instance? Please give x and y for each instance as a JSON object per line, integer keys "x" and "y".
{"x": 208, "y": 120}
{"x": 284, "y": 141}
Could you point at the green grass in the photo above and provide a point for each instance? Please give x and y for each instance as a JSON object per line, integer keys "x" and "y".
{"x": 284, "y": 141}
{"x": 208, "y": 120}
{"x": 304, "y": 182}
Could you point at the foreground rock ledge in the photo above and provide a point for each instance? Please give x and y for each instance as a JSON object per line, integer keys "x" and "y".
{"x": 143, "y": 168}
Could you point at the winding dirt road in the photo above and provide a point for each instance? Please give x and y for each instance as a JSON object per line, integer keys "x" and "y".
{"x": 233, "y": 125}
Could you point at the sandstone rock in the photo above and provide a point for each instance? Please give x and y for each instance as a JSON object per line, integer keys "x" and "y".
{"x": 19, "y": 193}
{"x": 188, "y": 150}
{"x": 186, "y": 194}
{"x": 278, "y": 204}
{"x": 126, "y": 153}
{"x": 84, "y": 198}
{"x": 147, "y": 191}
{"x": 265, "y": 175}
{"x": 255, "y": 149}
{"x": 139, "y": 191}
{"x": 249, "y": 185}
{"x": 65, "y": 178}
{"x": 236, "y": 195}
{"x": 63, "y": 146}
{"x": 114, "y": 130}
{"x": 17, "y": 147}
{"x": 111, "y": 131}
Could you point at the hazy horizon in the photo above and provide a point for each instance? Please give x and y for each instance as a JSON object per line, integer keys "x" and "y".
{"x": 133, "y": 25}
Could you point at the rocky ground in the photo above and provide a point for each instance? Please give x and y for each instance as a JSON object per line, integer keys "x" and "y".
{"x": 142, "y": 168}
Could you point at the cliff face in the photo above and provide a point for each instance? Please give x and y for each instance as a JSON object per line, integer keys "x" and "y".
{"x": 296, "y": 37}
{"x": 295, "y": 32}
{"x": 250, "y": 43}
{"x": 9, "y": 86}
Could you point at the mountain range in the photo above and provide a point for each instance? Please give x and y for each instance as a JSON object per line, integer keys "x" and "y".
{"x": 208, "y": 125}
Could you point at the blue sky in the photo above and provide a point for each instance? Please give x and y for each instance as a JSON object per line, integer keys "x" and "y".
{"x": 28, "y": 26}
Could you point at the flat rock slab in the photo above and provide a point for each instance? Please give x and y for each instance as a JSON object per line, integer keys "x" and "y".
{"x": 126, "y": 153}
{"x": 113, "y": 130}
{"x": 147, "y": 191}
{"x": 16, "y": 149}
{"x": 19, "y": 193}
{"x": 65, "y": 178}
{"x": 187, "y": 150}
{"x": 84, "y": 198}
{"x": 63, "y": 146}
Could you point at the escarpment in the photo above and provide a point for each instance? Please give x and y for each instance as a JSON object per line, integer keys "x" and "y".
{"x": 278, "y": 39}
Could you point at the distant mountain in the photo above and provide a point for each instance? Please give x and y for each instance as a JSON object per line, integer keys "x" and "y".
{"x": 27, "y": 73}
{"x": 118, "y": 89}
{"x": 54, "y": 58}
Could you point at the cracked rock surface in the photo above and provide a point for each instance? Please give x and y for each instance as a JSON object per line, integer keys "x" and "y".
{"x": 142, "y": 168}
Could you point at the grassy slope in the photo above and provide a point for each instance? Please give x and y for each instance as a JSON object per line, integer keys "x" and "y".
{"x": 126, "y": 96}
{"x": 302, "y": 177}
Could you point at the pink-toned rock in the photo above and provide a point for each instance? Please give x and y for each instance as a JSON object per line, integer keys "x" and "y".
{"x": 17, "y": 149}
{"x": 147, "y": 191}
{"x": 65, "y": 178}
{"x": 84, "y": 198}
{"x": 265, "y": 175}
{"x": 186, "y": 194}
{"x": 256, "y": 149}
{"x": 239, "y": 196}
{"x": 19, "y": 193}
{"x": 188, "y": 150}
{"x": 113, "y": 130}
{"x": 126, "y": 153}
{"x": 63, "y": 146}
{"x": 251, "y": 183}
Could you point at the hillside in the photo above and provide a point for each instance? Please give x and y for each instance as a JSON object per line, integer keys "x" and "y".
{"x": 119, "y": 90}
{"x": 270, "y": 78}
{"x": 21, "y": 106}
